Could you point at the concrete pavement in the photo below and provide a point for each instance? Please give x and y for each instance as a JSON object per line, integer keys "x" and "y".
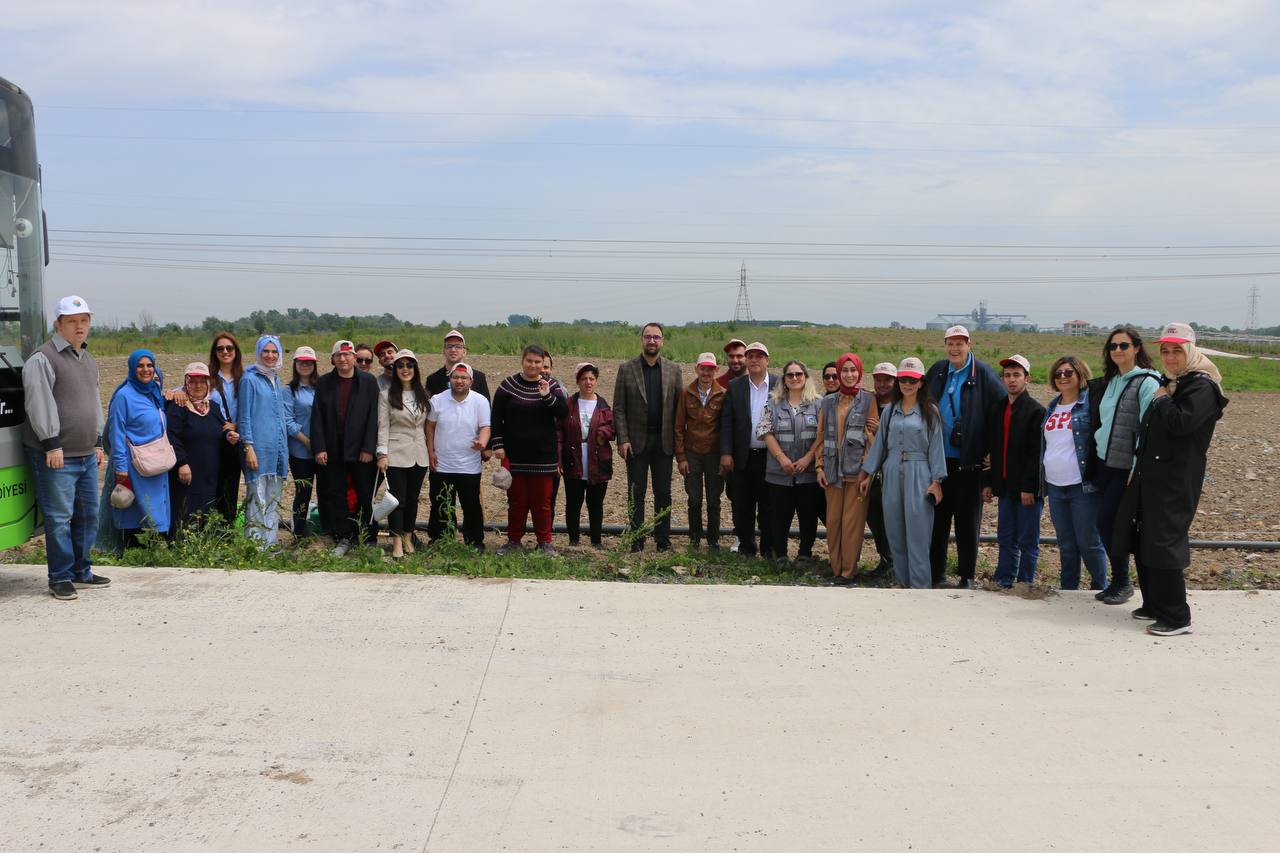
{"x": 202, "y": 709}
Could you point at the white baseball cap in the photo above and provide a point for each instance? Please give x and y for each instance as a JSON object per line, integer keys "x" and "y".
{"x": 454, "y": 333}
{"x": 957, "y": 332}
{"x": 463, "y": 366}
{"x": 197, "y": 368}
{"x": 342, "y": 346}
{"x": 304, "y": 354}
{"x": 1177, "y": 333}
{"x": 707, "y": 358}
{"x": 885, "y": 368}
{"x": 912, "y": 368}
{"x": 756, "y": 346}
{"x": 1020, "y": 360}
{"x": 71, "y": 305}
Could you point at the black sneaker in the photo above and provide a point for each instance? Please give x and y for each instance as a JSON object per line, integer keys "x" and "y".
{"x": 63, "y": 590}
{"x": 1160, "y": 629}
{"x": 966, "y": 583}
{"x": 1143, "y": 615}
{"x": 1103, "y": 593}
{"x": 92, "y": 582}
{"x": 1118, "y": 596}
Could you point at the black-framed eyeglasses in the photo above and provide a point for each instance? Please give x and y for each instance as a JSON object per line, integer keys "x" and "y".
{"x": 796, "y": 375}
{"x": 1119, "y": 345}
{"x": 652, "y": 337}
{"x": 1064, "y": 374}
{"x": 224, "y": 348}
{"x": 363, "y": 360}
{"x": 455, "y": 346}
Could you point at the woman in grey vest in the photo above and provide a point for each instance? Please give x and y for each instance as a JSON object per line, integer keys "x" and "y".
{"x": 1130, "y": 383}
{"x": 789, "y": 429}
{"x": 846, "y": 425}
{"x": 910, "y": 453}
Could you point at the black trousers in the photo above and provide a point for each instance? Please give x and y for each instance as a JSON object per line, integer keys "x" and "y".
{"x": 1111, "y": 484}
{"x": 640, "y": 467}
{"x": 789, "y": 501}
{"x": 304, "y": 479}
{"x": 465, "y": 489}
{"x": 875, "y": 520}
{"x": 961, "y": 501}
{"x": 406, "y": 485}
{"x": 575, "y": 492}
{"x": 331, "y": 487}
{"x": 1164, "y": 592}
{"x": 752, "y": 506}
{"x": 228, "y": 501}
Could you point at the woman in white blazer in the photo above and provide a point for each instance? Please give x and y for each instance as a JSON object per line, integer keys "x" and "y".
{"x": 402, "y": 446}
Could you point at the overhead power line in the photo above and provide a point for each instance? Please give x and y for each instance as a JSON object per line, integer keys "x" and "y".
{"x": 783, "y": 119}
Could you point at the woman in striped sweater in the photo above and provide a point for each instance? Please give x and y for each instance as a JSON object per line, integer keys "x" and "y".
{"x": 525, "y": 408}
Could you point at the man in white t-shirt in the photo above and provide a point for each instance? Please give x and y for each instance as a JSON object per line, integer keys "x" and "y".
{"x": 457, "y": 433}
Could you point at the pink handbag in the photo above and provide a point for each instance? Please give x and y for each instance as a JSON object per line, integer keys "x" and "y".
{"x": 154, "y": 457}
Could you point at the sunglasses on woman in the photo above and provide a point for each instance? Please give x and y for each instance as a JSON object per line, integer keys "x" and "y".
{"x": 908, "y": 380}
{"x": 830, "y": 377}
{"x": 404, "y": 365}
{"x": 224, "y": 348}
{"x": 1064, "y": 374}
{"x": 795, "y": 375}
{"x": 1119, "y": 345}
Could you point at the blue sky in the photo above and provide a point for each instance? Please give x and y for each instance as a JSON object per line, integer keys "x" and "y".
{"x": 870, "y": 162}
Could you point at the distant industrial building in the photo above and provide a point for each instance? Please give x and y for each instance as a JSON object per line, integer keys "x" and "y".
{"x": 982, "y": 320}
{"x": 1077, "y": 328}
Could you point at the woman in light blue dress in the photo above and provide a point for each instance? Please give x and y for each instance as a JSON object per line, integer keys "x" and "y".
{"x": 266, "y": 445}
{"x": 909, "y": 451}
{"x": 136, "y": 416}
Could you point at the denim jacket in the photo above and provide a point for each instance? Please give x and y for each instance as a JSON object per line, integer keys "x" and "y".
{"x": 1082, "y": 432}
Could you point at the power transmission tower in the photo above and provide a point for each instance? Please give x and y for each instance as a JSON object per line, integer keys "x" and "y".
{"x": 742, "y": 311}
{"x": 1252, "y": 322}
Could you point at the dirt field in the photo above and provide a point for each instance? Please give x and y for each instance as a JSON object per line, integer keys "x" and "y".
{"x": 1238, "y": 501}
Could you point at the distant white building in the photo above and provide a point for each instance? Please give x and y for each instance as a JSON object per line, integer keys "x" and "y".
{"x": 1076, "y": 328}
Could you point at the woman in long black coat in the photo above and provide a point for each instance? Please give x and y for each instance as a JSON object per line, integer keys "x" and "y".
{"x": 1160, "y": 502}
{"x": 198, "y": 432}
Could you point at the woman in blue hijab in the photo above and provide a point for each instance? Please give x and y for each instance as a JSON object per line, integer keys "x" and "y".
{"x": 136, "y": 416}
{"x": 266, "y": 444}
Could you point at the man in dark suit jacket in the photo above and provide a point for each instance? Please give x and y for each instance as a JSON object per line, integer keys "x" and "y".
{"x": 1013, "y": 479}
{"x": 644, "y": 411}
{"x": 344, "y": 435}
{"x": 455, "y": 352}
{"x": 743, "y": 455}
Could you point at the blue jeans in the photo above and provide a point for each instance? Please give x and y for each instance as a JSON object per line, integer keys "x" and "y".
{"x": 1018, "y": 533}
{"x": 68, "y": 500}
{"x": 1075, "y": 519}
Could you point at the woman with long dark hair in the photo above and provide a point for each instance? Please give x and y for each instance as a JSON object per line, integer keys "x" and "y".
{"x": 402, "y": 446}
{"x": 299, "y": 395}
{"x": 1129, "y": 384}
{"x": 909, "y": 452}
{"x": 586, "y": 457}
{"x": 1160, "y": 502}
{"x": 226, "y": 368}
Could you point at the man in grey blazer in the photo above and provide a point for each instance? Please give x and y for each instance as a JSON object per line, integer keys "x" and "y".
{"x": 644, "y": 413}
{"x": 743, "y": 455}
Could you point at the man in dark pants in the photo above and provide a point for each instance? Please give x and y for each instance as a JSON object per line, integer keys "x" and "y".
{"x": 644, "y": 412}
{"x": 457, "y": 433}
{"x": 344, "y": 435}
{"x": 964, "y": 389}
{"x": 743, "y": 454}
{"x": 455, "y": 351}
{"x": 883, "y": 377}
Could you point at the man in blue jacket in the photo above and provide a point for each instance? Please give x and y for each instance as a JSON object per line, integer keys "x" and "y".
{"x": 964, "y": 389}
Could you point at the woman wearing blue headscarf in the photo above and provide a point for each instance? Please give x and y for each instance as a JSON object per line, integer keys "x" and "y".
{"x": 266, "y": 444}
{"x": 136, "y": 416}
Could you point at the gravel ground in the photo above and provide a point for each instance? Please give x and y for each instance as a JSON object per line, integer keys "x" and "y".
{"x": 1238, "y": 500}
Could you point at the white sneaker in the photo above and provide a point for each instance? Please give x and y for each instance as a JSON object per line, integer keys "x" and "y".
{"x": 341, "y": 549}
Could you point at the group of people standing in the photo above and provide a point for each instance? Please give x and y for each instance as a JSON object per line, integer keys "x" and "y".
{"x": 1120, "y": 458}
